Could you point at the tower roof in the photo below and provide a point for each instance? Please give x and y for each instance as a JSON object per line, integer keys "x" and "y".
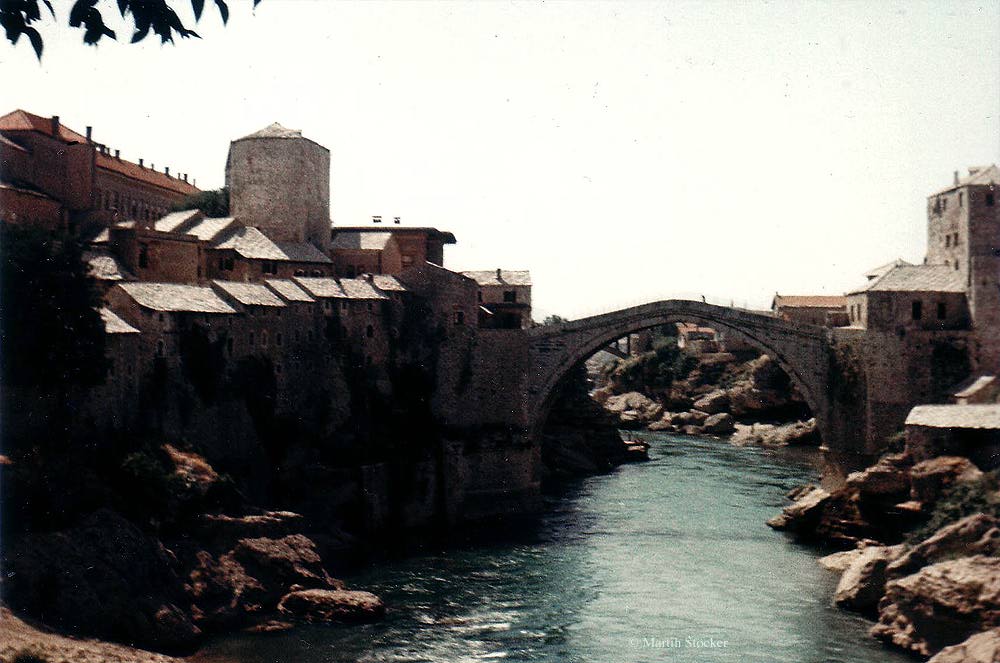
{"x": 274, "y": 130}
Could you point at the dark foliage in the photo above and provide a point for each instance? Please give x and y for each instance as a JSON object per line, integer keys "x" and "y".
{"x": 204, "y": 362}
{"x": 960, "y": 500}
{"x": 213, "y": 204}
{"x": 654, "y": 370}
{"x": 51, "y": 333}
{"x": 17, "y": 17}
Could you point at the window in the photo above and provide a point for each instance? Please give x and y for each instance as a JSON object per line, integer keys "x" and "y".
{"x": 956, "y": 264}
{"x": 917, "y": 309}
{"x": 961, "y": 199}
{"x": 229, "y": 346}
{"x": 369, "y": 331}
{"x": 269, "y": 267}
{"x": 300, "y": 272}
{"x": 459, "y": 317}
{"x": 371, "y": 307}
{"x": 942, "y": 311}
{"x": 143, "y": 255}
{"x": 263, "y": 338}
{"x": 989, "y": 199}
{"x": 317, "y": 272}
{"x": 947, "y": 241}
{"x": 944, "y": 203}
{"x": 954, "y": 239}
{"x": 509, "y": 296}
{"x": 479, "y": 296}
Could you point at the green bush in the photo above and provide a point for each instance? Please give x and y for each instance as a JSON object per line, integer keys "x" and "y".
{"x": 959, "y": 501}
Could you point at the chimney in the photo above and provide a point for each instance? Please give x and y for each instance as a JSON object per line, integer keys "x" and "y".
{"x": 377, "y": 219}
{"x": 90, "y": 131}
{"x": 956, "y": 178}
{"x": 118, "y": 154}
{"x": 395, "y": 220}
{"x": 166, "y": 171}
{"x": 498, "y": 273}
{"x": 55, "y": 125}
{"x": 185, "y": 177}
{"x": 140, "y": 162}
{"x": 152, "y": 166}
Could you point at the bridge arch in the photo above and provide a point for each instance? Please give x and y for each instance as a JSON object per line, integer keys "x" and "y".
{"x": 799, "y": 349}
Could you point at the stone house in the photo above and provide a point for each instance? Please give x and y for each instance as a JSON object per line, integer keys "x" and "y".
{"x": 972, "y": 431}
{"x": 909, "y": 297}
{"x": 504, "y": 297}
{"x": 356, "y": 252}
{"x": 415, "y": 246}
{"x": 810, "y": 309}
{"x": 696, "y": 338}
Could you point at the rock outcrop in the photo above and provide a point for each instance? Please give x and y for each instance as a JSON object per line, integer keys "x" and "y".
{"x": 980, "y": 648}
{"x": 324, "y": 605}
{"x": 863, "y": 582}
{"x": 104, "y": 578}
{"x": 796, "y": 433}
{"x": 930, "y": 477}
{"x": 718, "y": 424}
{"x": 634, "y": 409}
{"x": 941, "y": 605}
{"x": 803, "y": 514}
{"x": 978, "y": 534}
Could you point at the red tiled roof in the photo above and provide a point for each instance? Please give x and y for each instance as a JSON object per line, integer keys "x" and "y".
{"x": 21, "y": 120}
{"x": 810, "y": 301}
{"x": 137, "y": 172}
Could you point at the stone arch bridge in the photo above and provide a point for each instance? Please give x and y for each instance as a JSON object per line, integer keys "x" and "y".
{"x": 802, "y": 350}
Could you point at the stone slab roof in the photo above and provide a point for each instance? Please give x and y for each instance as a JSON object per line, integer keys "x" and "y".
{"x": 363, "y": 240}
{"x": 321, "y": 286}
{"x": 388, "y": 283}
{"x": 176, "y": 297}
{"x": 360, "y": 289}
{"x": 303, "y": 252}
{"x": 500, "y": 277}
{"x": 115, "y": 325}
{"x": 288, "y": 289}
{"x": 249, "y": 294}
{"x": 881, "y": 270}
{"x": 978, "y": 175}
{"x": 274, "y": 130}
{"x": 255, "y": 245}
{"x": 955, "y": 416}
{"x": 809, "y": 301}
{"x": 209, "y": 229}
{"x": 432, "y": 233}
{"x": 974, "y": 385}
{"x": 104, "y": 265}
{"x": 917, "y": 278}
{"x": 171, "y": 222}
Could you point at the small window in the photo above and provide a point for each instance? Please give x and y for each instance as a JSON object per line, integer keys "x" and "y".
{"x": 944, "y": 203}
{"x": 371, "y": 307}
{"x": 942, "y": 311}
{"x": 947, "y": 241}
{"x": 989, "y": 199}
{"x": 161, "y": 317}
{"x": 343, "y": 305}
{"x": 956, "y": 265}
{"x": 317, "y": 272}
{"x": 263, "y": 338}
{"x": 479, "y": 296}
{"x": 300, "y": 272}
{"x": 917, "y": 309}
{"x": 369, "y": 331}
{"x": 459, "y": 317}
{"x": 509, "y": 296}
{"x": 143, "y": 255}
{"x": 961, "y": 199}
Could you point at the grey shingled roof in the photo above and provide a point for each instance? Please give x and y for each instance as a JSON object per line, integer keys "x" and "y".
{"x": 104, "y": 265}
{"x": 507, "y": 277}
{"x": 209, "y": 229}
{"x": 955, "y": 416}
{"x": 978, "y": 175}
{"x": 882, "y": 269}
{"x": 917, "y": 278}
{"x": 360, "y": 289}
{"x": 249, "y": 294}
{"x": 360, "y": 240}
{"x": 302, "y": 252}
{"x": 388, "y": 283}
{"x": 321, "y": 286}
{"x": 274, "y": 130}
{"x": 115, "y": 325}
{"x": 171, "y": 222}
{"x": 289, "y": 290}
{"x": 176, "y": 297}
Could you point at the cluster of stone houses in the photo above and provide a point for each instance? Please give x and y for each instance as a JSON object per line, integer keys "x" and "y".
{"x": 273, "y": 279}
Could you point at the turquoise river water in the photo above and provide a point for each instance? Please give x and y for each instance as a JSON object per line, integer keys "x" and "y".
{"x": 662, "y": 561}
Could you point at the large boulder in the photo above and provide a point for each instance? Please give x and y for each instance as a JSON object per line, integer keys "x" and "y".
{"x": 840, "y": 561}
{"x": 290, "y": 560}
{"x": 803, "y": 514}
{"x": 690, "y": 418}
{"x": 222, "y": 531}
{"x": 882, "y": 479}
{"x": 712, "y": 403}
{"x": 718, "y": 424}
{"x": 323, "y": 605}
{"x": 978, "y": 534}
{"x": 103, "y": 578}
{"x": 981, "y": 648}
{"x": 863, "y": 582}
{"x": 930, "y": 477}
{"x": 634, "y": 407}
{"x": 941, "y": 605}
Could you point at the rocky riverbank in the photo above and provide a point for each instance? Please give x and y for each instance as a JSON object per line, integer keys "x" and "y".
{"x": 163, "y": 586}
{"x": 922, "y": 552}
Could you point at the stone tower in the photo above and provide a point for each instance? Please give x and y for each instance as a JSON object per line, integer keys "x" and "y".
{"x": 279, "y": 182}
{"x": 963, "y": 231}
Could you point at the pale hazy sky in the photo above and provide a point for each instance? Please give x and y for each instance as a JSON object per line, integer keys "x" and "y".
{"x": 623, "y": 152}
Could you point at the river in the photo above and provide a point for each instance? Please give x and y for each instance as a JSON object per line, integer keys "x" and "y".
{"x": 668, "y": 560}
